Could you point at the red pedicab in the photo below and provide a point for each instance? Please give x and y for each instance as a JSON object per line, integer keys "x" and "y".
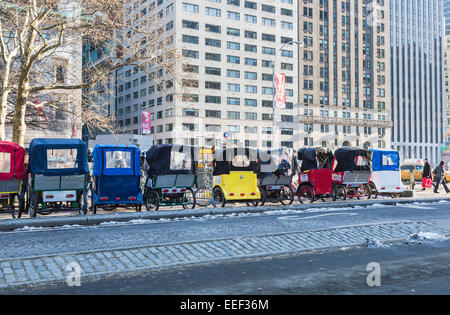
{"x": 352, "y": 171}
{"x": 315, "y": 175}
{"x": 12, "y": 178}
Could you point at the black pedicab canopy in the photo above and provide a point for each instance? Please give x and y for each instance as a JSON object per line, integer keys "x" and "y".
{"x": 168, "y": 159}
{"x": 235, "y": 159}
{"x": 353, "y": 159}
{"x": 276, "y": 161}
{"x": 315, "y": 158}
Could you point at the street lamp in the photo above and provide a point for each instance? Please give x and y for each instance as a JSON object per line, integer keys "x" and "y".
{"x": 274, "y": 62}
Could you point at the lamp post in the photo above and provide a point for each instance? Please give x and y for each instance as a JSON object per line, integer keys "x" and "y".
{"x": 274, "y": 62}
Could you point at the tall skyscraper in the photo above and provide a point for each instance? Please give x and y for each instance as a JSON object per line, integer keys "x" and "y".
{"x": 336, "y": 82}
{"x": 344, "y": 69}
{"x": 447, "y": 16}
{"x": 417, "y": 78}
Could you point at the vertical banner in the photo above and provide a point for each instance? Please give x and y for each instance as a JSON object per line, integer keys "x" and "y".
{"x": 146, "y": 123}
{"x": 280, "y": 83}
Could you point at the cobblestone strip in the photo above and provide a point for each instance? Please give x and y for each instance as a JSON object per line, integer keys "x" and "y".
{"x": 45, "y": 269}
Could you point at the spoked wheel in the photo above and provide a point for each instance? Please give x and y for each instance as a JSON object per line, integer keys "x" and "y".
{"x": 219, "y": 197}
{"x": 151, "y": 200}
{"x": 201, "y": 198}
{"x": 33, "y": 204}
{"x": 84, "y": 203}
{"x": 373, "y": 190}
{"x": 12, "y": 207}
{"x": 252, "y": 203}
{"x": 364, "y": 193}
{"x": 21, "y": 200}
{"x": 339, "y": 193}
{"x": 306, "y": 193}
{"x": 287, "y": 196}
{"x": 189, "y": 199}
{"x": 92, "y": 207}
{"x": 263, "y": 196}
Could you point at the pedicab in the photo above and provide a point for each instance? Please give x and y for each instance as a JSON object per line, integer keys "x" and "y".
{"x": 58, "y": 178}
{"x": 12, "y": 179}
{"x": 171, "y": 176}
{"x": 275, "y": 171}
{"x": 116, "y": 180}
{"x": 235, "y": 176}
{"x": 386, "y": 178}
{"x": 352, "y": 170}
{"x": 315, "y": 176}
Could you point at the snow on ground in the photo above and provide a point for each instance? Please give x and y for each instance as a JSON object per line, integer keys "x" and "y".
{"x": 428, "y": 236}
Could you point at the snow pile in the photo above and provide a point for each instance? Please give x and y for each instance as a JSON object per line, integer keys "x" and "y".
{"x": 29, "y": 228}
{"x": 373, "y": 243}
{"x": 428, "y": 236}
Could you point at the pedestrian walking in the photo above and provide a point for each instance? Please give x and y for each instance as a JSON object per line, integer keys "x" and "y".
{"x": 426, "y": 175}
{"x": 439, "y": 178}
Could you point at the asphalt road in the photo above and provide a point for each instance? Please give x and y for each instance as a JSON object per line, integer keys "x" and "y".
{"x": 415, "y": 268}
{"x": 405, "y": 269}
{"x": 112, "y": 236}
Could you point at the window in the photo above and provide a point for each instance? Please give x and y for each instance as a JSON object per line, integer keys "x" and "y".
{"x": 193, "y": 8}
{"x": 213, "y": 42}
{"x": 118, "y": 159}
{"x": 190, "y": 24}
{"x": 5, "y": 162}
{"x": 62, "y": 158}
{"x": 212, "y": 11}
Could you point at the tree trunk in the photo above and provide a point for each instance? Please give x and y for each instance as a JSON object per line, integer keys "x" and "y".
{"x": 19, "y": 125}
{"x": 3, "y": 112}
{"x": 4, "y": 102}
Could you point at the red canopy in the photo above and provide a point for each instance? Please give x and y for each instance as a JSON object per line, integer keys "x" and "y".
{"x": 15, "y": 154}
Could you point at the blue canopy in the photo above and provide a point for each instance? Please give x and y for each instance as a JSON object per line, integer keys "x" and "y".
{"x": 385, "y": 160}
{"x": 58, "y": 157}
{"x": 113, "y": 160}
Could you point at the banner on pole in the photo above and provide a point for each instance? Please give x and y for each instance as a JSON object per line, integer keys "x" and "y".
{"x": 280, "y": 83}
{"x": 146, "y": 123}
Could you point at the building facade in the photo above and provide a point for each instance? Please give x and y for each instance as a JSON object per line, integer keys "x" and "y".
{"x": 417, "y": 78}
{"x": 336, "y": 82}
{"x": 344, "y": 92}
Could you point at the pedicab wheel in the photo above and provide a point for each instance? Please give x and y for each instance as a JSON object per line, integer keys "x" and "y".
{"x": 339, "y": 192}
{"x": 189, "y": 199}
{"x": 200, "y": 197}
{"x": 219, "y": 197}
{"x": 12, "y": 207}
{"x": 152, "y": 200}
{"x": 263, "y": 196}
{"x": 366, "y": 193}
{"x": 306, "y": 193}
{"x": 33, "y": 204}
{"x": 252, "y": 203}
{"x": 373, "y": 190}
{"x": 21, "y": 200}
{"x": 84, "y": 205}
{"x": 287, "y": 196}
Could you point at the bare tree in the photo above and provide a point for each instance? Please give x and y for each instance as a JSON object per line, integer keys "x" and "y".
{"x": 44, "y": 30}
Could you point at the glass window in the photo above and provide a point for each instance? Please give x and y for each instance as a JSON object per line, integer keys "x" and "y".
{"x": 180, "y": 161}
{"x": 62, "y": 158}
{"x": 118, "y": 159}
{"x": 5, "y": 162}
{"x": 240, "y": 161}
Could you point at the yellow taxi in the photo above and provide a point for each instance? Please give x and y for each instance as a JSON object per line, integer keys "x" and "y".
{"x": 405, "y": 171}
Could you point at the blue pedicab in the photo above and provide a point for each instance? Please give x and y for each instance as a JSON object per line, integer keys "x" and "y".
{"x": 116, "y": 180}
{"x": 386, "y": 178}
{"x": 58, "y": 177}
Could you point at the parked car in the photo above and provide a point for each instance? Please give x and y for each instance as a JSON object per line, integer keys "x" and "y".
{"x": 418, "y": 170}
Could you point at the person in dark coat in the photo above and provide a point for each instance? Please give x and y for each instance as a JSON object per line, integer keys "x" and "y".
{"x": 426, "y": 171}
{"x": 439, "y": 177}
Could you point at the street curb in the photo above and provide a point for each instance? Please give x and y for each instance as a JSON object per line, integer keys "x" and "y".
{"x": 89, "y": 220}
